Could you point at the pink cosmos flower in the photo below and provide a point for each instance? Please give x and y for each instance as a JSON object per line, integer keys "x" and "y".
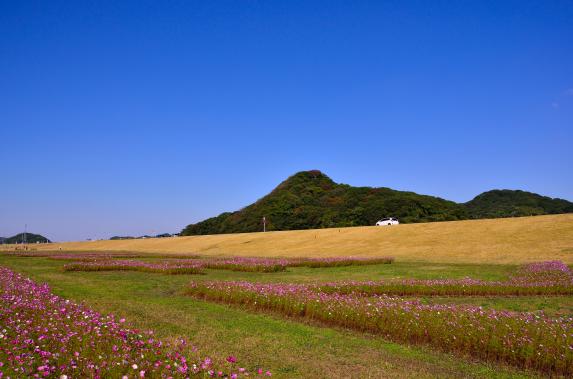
{"x": 231, "y": 359}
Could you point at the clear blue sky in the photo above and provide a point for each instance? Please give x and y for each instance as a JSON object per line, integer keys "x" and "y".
{"x": 133, "y": 117}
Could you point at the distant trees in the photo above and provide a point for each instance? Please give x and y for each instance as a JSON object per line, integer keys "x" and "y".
{"x": 510, "y": 203}
{"x": 28, "y": 238}
{"x": 163, "y": 235}
{"x": 310, "y": 199}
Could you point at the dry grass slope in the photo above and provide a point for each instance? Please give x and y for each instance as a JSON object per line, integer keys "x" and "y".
{"x": 513, "y": 240}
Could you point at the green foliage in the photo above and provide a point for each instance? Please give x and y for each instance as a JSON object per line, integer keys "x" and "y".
{"x": 30, "y": 238}
{"x": 508, "y": 203}
{"x": 310, "y": 199}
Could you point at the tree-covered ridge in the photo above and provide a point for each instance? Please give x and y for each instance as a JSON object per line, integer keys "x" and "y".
{"x": 30, "y": 238}
{"x": 310, "y": 199}
{"x": 510, "y": 203}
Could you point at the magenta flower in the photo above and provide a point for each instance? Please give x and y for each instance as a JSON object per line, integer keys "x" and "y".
{"x": 231, "y": 359}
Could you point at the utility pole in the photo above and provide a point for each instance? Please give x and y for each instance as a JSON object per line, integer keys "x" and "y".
{"x": 24, "y": 239}
{"x": 264, "y": 224}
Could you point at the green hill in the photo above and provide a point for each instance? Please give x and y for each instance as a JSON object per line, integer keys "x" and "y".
{"x": 30, "y": 238}
{"x": 310, "y": 199}
{"x": 508, "y": 203}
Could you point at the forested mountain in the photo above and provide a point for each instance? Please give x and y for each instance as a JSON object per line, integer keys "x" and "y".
{"x": 30, "y": 238}
{"x": 508, "y": 203}
{"x": 310, "y": 199}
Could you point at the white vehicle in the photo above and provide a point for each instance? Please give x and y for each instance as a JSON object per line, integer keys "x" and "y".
{"x": 388, "y": 221}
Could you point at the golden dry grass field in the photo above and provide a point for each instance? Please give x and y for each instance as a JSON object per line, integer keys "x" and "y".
{"x": 510, "y": 240}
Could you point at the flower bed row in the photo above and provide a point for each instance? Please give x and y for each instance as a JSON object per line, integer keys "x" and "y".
{"x": 521, "y": 339}
{"x": 338, "y": 261}
{"x": 280, "y": 264}
{"x": 172, "y": 267}
{"x": 245, "y": 264}
{"x": 543, "y": 278}
{"x": 44, "y": 335}
{"x": 91, "y": 256}
{"x": 196, "y": 266}
{"x": 230, "y": 262}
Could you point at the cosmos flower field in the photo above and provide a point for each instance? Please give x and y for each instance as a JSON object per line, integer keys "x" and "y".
{"x": 543, "y": 278}
{"x": 522, "y": 339}
{"x": 197, "y": 266}
{"x": 44, "y": 335}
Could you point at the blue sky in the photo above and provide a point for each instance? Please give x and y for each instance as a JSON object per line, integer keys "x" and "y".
{"x": 139, "y": 117}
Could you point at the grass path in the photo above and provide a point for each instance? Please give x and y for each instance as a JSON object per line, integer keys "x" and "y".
{"x": 290, "y": 349}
